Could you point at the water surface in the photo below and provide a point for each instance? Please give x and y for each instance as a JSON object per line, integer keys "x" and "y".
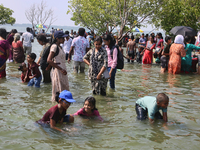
{"x": 21, "y": 106}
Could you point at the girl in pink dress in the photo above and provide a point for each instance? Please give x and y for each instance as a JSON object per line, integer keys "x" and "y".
{"x": 89, "y": 109}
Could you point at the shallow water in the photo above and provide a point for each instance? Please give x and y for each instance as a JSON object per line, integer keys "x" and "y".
{"x": 21, "y": 106}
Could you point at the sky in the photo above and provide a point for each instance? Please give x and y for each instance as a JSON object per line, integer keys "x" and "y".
{"x": 60, "y": 8}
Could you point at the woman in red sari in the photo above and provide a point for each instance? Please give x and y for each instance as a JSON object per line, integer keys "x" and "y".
{"x": 148, "y": 51}
{"x": 4, "y": 52}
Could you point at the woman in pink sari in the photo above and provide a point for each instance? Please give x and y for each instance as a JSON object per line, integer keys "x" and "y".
{"x": 148, "y": 51}
{"x": 4, "y": 52}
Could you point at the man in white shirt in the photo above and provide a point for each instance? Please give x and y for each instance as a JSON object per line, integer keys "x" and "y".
{"x": 67, "y": 44}
{"x": 80, "y": 46}
{"x": 27, "y": 38}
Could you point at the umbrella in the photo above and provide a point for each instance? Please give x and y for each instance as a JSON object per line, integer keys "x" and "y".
{"x": 183, "y": 30}
{"x": 40, "y": 26}
{"x": 137, "y": 30}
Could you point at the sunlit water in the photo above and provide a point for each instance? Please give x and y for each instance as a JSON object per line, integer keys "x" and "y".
{"x": 21, "y": 106}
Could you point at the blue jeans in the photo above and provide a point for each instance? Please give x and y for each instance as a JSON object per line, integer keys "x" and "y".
{"x": 35, "y": 81}
{"x": 112, "y": 80}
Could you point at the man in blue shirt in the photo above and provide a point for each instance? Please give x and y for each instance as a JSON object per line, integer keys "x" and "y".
{"x": 142, "y": 40}
{"x": 152, "y": 105}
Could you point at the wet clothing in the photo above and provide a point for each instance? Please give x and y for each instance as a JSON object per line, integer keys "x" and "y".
{"x": 149, "y": 103}
{"x": 97, "y": 61}
{"x": 131, "y": 45}
{"x": 35, "y": 72}
{"x": 59, "y": 80}
{"x": 45, "y": 73}
{"x": 147, "y": 58}
{"x": 23, "y": 76}
{"x": 81, "y": 112}
{"x": 10, "y": 39}
{"x": 176, "y": 52}
{"x": 112, "y": 63}
{"x": 165, "y": 58}
{"x": 18, "y": 52}
{"x": 53, "y": 113}
{"x": 186, "y": 62}
{"x": 139, "y": 57}
{"x": 4, "y": 47}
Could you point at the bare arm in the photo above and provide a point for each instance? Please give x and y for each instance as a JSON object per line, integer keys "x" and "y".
{"x": 70, "y": 53}
{"x": 38, "y": 60}
{"x": 53, "y": 125}
{"x": 86, "y": 61}
{"x": 165, "y": 116}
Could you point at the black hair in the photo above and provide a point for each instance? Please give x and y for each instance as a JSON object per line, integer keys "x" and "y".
{"x": 142, "y": 33}
{"x": 20, "y": 68}
{"x": 33, "y": 56}
{"x": 152, "y": 37}
{"x": 12, "y": 31}
{"x": 161, "y": 97}
{"x": 98, "y": 38}
{"x": 57, "y": 97}
{"x": 42, "y": 37}
{"x": 160, "y": 34}
{"x": 187, "y": 38}
{"x": 3, "y": 33}
{"x": 28, "y": 29}
{"x": 167, "y": 38}
{"x": 132, "y": 37}
{"x": 120, "y": 43}
{"x": 108, "y": 37}
{"x": 66, "y": 32}
{"x": 81, "y": 31}
{"x": 91, "y": 101}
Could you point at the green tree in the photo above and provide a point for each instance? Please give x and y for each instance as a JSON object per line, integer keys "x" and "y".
{"x": 177, "y": 13}
{"x": 105, "y": 16}
{"x": 5, "y": 15}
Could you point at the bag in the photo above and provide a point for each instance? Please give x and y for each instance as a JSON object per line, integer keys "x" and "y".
{"x": 43, "y": 60}
{"x": 120, "y": 58}
{"x": 106, "y": 74}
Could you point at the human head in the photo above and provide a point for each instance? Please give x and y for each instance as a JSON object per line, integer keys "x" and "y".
{"x": 22, "y": 67}
{"x": 31, "y": 57}
{"x": 179, "y": 39}
{"x": 139, "y": 49}
{"x": 64, "y": 98}
{"x": 142, "y": 35}
{"x": 132, "y": 37}
{"x": 90, "y": 104}
{"x": 167, "y": 39}
{"x": 187, "y": 39}
{"x": 159, "y": 35}
{"x": 151, "y": 38}
{"x": 3, "y": 33}
{"x": 81, "y": 31}
{"x": 152, "y": 34}
{"x": 59, "y": 37}
{"x": 13, "y": 31}
{"x": 162, "y": 100}
{"x": 42, "y": 40}
{"x": 16, "y": 37}
{"x": 108, "y": 40}
{"x": 28, "y": 29}
{"x": 98, "y": 42}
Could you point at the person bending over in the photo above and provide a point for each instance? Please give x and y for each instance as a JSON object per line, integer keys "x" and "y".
{"x": 152, "y": 105}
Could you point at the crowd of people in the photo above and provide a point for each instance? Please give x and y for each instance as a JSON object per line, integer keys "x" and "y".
{"x": 102, "y": 55}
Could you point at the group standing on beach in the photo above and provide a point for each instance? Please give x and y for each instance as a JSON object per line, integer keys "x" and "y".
{"x": 102, "y": 60}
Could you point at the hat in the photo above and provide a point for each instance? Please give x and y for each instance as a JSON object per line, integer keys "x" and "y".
{"x": 59, "y": 34}
{"x": 67, "y": 95}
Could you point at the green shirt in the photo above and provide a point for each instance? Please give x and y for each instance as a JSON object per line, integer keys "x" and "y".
{"x": 149, "y": 103}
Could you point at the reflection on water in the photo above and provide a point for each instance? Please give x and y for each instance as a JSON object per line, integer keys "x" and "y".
{"x": 21, "y": 106}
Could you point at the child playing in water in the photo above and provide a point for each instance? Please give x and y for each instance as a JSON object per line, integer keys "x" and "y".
{"x": 36, "y": 76}
{"x": 57, "y": 113}
{"x": 89, "y": 109}
{"x": 152, "y": 105}
{"x": 25, "y": 74}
